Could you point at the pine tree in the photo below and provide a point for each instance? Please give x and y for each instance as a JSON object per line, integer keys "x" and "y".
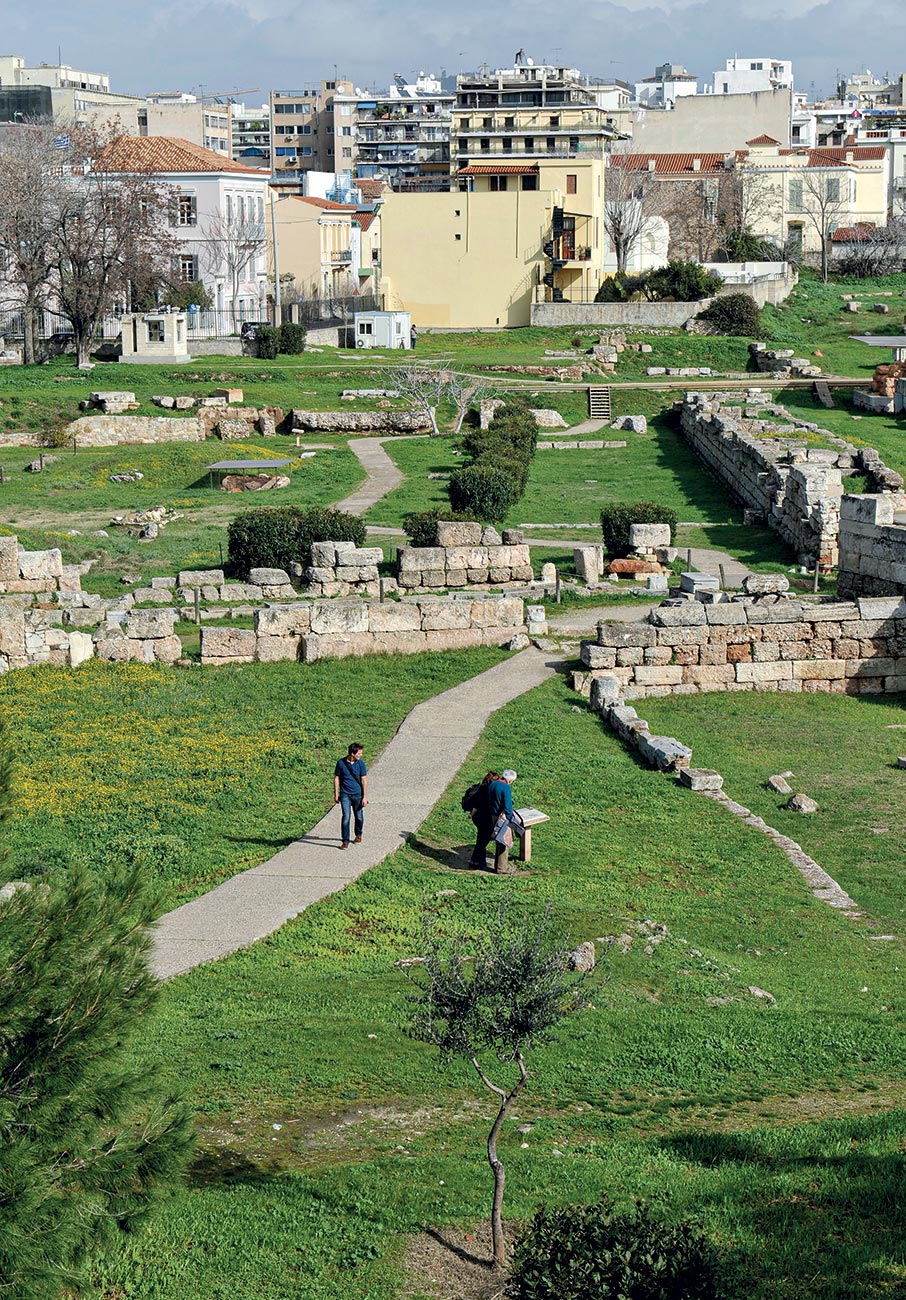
{"x": 89, "y": 1140}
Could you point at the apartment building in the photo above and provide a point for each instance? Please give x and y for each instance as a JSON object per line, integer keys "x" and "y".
{"x": 512, "y": 233}
{"x": 331, "y": 250}
{"x": 252, "y": 135}
{"x": 671, "y": 81}
{"x": 400, "y": 136}
{"x": 188, "y": 117}
{"x": 57, "y": 89}
{"x": 530, "y": 110}
{"x": 307, "y": 134}
{"x": 744, "y": 76}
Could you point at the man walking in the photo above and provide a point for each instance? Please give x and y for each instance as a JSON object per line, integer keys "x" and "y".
{"x": 350, "y": 791}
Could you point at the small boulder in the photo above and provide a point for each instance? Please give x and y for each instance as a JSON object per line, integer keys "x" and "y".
{"x": 765, "y": 996}
{"x": 764, "y": 584}
{"x": 518, "y": 642}
{"x": 583, "y": 957}
{"x": 779, "y": 784}
{"x": 801, "y": 803}
{"x": 549, "y": 573}
{"x": 491, "y": 537}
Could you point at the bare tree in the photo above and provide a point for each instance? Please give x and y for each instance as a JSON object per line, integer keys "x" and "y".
{"x": 29, "y": 178}
{"x": 232, "y": 241}
{"x": 631, "y": 199}
{"x": 823, "y": 201}
{"x": 423, "y": 384}
{"x": 466, "y": 391}
{"x": 109, "y": 225}
{"x": 874, "y": 250}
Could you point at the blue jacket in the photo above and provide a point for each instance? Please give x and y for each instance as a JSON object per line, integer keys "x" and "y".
{"x": 500, "y": 799}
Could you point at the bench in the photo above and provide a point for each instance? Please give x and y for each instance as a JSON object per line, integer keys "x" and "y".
{"x": 530, "y": 817}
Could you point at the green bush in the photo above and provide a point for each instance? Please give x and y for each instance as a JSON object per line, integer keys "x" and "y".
{"x": 267, "y": 342}
{"x": 616, "y": 520}
{"x": 483, "y": 490}
{"x": 291, "y": 338}
{"x": 592, "y": 1252}
{"x": 681, "y": 281}
{"x": 736, "y": 313}
{"x": 278, "y": 536}
{"x": 421, "y": 526}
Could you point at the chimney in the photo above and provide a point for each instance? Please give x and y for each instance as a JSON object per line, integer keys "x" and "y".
{"x": 652, "y": 165}
{"x": 850, "y": 157}
{"x": 696, "y": 164}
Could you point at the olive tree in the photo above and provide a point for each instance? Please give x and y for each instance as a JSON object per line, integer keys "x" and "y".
{"x": 488, "y": 1000}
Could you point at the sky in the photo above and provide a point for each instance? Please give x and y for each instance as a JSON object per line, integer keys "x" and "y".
{"x": 230, "y": 45}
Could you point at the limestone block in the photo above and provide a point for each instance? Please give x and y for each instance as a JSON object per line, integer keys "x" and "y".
{"x": 819, "y": 669}
{"x": 760, "y": 584}
{"x": 400, "y": 643}
{"x": 348, "y": 573}
{"x": 420, "y": 558}
{"x": 236, "y": 644}
{"x": 167, "y": 649}
{"x": 233, "y": 591}
{"x": 84, "y": 617}
{"x": 629, "y": 656}
{"x": 474, "y": 576}
{"x": 363, "y": 555}
{"x": 838, "y": 611}
{"x": 649, "y": 536}
{"x": 709, "y": 676}
{"x": 282, "y": 620}
{"x": 457, "y": 578}
{"x": 201, "y": 578}
{"x": 701, "y": 778}
{"x": 787, "y": 611}
{"x": 9, "y": 559}
{"x": 657, "y": 582}
{"x": 112, "y": 647}
{"x": 394, "y": 616}
{"x": 339, "y": 617}
{"x": 878, "y": 667}
{"x": 271, "y": 649}
{"x": 498, "y": 576}
{"x": 664, "y": 752}
{"x": 695, "y": 582}
{"x": 323, "y": 555}
{"x": 729, "y": 614}
{"x": 269, "y": 577}
{"x": 152, "y": 596}
{"x": 163, "y": 584}
{"x": 881, "y": 607}
{"x": 757, "y": 673}
{"x": 586, "y": 561}
{"x": 712, "y": 656}
{"x": 655, "y": 675}
{"x": 458, "y": 534}
{"x": 622, "y": 634}
{"x": 462, "y": 638}
{"x": 596, "y": 656}
{"x": 445, "y": 615}
{"x": 688, "y": 614}
{"x": 37, "y": 565}
{"x": 766, "y": 651}
{"x": 140, "y": 624}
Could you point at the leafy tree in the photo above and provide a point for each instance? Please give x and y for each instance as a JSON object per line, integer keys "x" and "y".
{"x": 488, "y": 1000}
{"x": 733, "y": 313}
{"x": 89, "y": 1140}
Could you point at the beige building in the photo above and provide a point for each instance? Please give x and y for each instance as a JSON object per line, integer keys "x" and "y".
{"x": 199, "y": 121}
{"x": 532, "y": 110}
{"x": 307, "y": 134}
{"x": 512, "y": 234}
{"x": 59, "y": 90}
{"x": 714, "y": 123}
{"x": 799, "y": 197}
{"x": 329, "y": 249}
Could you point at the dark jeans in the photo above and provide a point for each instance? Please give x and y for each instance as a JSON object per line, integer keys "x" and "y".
{"x": 349, "y": 805}
{"x": 483, "y": 832}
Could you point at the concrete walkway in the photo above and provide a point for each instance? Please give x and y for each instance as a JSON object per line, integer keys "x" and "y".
{"x": 404, "y": 783}
{"x": 382, "y": 474}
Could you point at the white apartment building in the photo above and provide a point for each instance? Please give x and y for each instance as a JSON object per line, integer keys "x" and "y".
{"x": 743, "y": 76}
{"x": 671, "y": 81}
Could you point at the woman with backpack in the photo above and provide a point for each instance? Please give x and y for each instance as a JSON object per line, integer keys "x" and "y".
{"x": 492, "y": 812}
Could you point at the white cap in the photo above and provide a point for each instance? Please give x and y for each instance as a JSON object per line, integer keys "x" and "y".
{"x": 509, "y": 775}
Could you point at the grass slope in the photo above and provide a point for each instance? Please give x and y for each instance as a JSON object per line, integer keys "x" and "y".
{"x": 328, "y": 1135}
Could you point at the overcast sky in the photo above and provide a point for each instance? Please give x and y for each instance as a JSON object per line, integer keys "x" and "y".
{"x": 224, "y": 45}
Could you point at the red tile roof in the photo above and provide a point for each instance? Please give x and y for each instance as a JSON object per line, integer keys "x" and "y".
{"x": 166, "y": 153}
{"x": 853, "y": 234}
{"x": 670, "y": 164}
{"x": 834, "y": 155}
{"x": 499, "y": 169}
{"x": 324, "y": 203}
{"x": 763, "y": 139}
{"x": 365, "y": 219}
{"x": 371, "y": 189}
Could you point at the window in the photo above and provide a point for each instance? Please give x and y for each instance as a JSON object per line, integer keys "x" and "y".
{"x": 529, "y": 144}
{"x": 485, "y": 146}
{"x": 509, "y": 123}
{"x": 530, "y": 182}
{"x": 187, "y": 269}
{"x": 345, "y": 130}
{"x": 795, "y": 195}
{"x": 833, "y": 189}
{"x": 498, "y": 184}
{"x": 186, "y": 210}
{"x": 553, "y": 121}
{"x": 366, "y": 327}
{"x": 507, "y": 144}
{"x": 487, "y": 123}
{"x": 570, "y": 182}
{"x": 155, "y": 330}
{"x": 574, "y": 144}
{"x": 457, "y": 236}
{"x": 347, "y": 153}
{"x": 330, "y": 85}
{"x": 229, "y": 197}
{"x": 550, "y": 144}
{"x": 756, "y": 67}
{"x": 281, "y": 153}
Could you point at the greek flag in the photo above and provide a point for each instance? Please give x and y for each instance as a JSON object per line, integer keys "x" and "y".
{"x": 61, "y": 142}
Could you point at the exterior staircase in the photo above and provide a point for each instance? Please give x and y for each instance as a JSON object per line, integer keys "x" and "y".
{"x": 822, "y": 393}
{"x": 599, "y": 401}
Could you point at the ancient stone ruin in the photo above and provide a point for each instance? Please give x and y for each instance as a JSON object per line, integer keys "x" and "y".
{"x": 873, "y": 545}
{"x": 467, "y": 554}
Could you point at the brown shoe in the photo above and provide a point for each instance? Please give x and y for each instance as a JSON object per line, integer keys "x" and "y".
{"x": 344, "y": 846}
{"x": 358, "y": 839}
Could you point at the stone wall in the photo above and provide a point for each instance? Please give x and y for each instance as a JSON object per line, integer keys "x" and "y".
{"x": 466, "y": 555}
{"x": 126, "y": 430}
{"x": 343, "y": 569}
{"x": 750, "y": 643}
{"x": 27, "y": 574}
{"x": 337, "y": 629}
{"x": 212, "y": 585}
{"x": 358, "y": 421}
{"x": 872, "y": 545}
{"x": 35, "y": 636}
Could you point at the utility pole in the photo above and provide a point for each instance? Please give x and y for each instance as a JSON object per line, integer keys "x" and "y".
{"x": 278, "y": 300}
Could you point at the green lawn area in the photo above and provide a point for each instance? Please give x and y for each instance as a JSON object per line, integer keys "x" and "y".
{"x": 195, "y": 773}
{"x": 859, "y": 832}
{"x": 327, "y": 1136}
{"x": 885, "y": 432}
{"x": 815, "y": 317}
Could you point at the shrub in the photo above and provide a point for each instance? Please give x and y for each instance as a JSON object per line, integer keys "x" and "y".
{"x": 486, "y": 491}
{"x": 681, "y": 281}
{"x": 736, "y": 313}
{"x": 582, "y": 1251}
{"x": 291, "y": 338}
{"x": 421, "y": 526}
{"x": 267, "y": 342}
{"x": 616, "y": 520}
{"x": 278, "y": 536}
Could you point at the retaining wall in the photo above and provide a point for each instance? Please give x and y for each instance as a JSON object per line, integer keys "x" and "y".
{"x": 873, "y": 545}
{"x": 750, "y": 644}
{"x": 467, "y": 554}
{"x": 123, "y": 430}
{"x": 337, "y": 629}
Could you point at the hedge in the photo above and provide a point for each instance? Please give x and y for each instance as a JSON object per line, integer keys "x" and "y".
{"x": 421, "y": 525}
{"x": 616, "y": 520}
{"x": 277, "y": 537}
{"x": 503, "y": 453}
{"x": 486, "y": 491}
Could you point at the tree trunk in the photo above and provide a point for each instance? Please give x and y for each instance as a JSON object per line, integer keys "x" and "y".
{"x": 83, "y": 347}
{"x": 507, "y": 1098}
{"x": 29, "y": 333}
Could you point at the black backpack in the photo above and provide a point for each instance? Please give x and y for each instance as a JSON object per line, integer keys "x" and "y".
{"x": 470, "y": 798}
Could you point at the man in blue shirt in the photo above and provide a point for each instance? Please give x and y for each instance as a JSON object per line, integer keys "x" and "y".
{"x": 350, "y": 791}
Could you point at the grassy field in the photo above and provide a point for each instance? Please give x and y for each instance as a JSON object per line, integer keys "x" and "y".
{"x": 328, "y": 1137}
{"x": 195, "y": 774}
{"x": 885, "y": 432}
{"x": 815, "y": 317}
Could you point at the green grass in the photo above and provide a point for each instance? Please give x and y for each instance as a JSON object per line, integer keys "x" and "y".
{"x": 327, "y": 1135}
{"x": 814, "y": 317}
{"x": 195, "y": 773}
{"x": 885, "y": 432}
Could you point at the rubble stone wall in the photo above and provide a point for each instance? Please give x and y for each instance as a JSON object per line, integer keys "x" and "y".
{"x": 358, "y": 421}
{"x": 343, "y": 569}
{"x": 126, "y": 430}
{"x": 337, "y": 629}
{"x": 772, "y": 644}
{"x": 872, "y": 545}
{"x": 36, "y": 636}
{"x": 25, "y": 575}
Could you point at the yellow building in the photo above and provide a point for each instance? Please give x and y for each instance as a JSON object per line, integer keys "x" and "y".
{"x": 330, "y": 249}
{"x": 799, "y": 197}
{"x": 511, "y": 235}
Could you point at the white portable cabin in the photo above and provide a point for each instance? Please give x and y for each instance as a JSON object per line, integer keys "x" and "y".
{"x": 382, "y": 329}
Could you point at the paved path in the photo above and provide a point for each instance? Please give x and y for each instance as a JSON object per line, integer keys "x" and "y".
{"x": 383, "y": 474}
{"x": 404, "y": 784}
